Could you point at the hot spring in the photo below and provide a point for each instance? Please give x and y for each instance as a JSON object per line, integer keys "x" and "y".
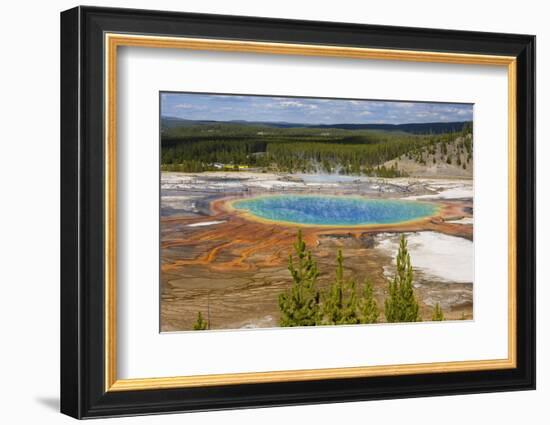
{"x": 334, "y": 210}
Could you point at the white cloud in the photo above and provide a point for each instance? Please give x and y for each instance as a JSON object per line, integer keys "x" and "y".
{"x": 378, "y": 104}
{"x": 291, "y": 104}
{"x": 297, "y": 104}
{"x": 404, "y": 105}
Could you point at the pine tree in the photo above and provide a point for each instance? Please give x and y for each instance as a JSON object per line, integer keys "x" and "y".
{"x": 299, "y": 305}
{"x": 437, "y": 315}
{"x": 367, "y": 305}
{"x": 200, "y": 324}
{"x": 340, "y": 303}
{"x": 401, "y": 304}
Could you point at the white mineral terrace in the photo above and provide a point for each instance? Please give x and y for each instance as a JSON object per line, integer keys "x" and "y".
{"x": 412, "y": 188}
{"x": 448, "y": 258}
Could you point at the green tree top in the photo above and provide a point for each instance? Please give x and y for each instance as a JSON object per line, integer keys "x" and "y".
{"x": 340, "y": 303}
{"x": 200, "y": 324}
{"x": 437, "y": 314}
{"x": 367, "y": 305}
{"x": 299, "y": 306}
{"x": 305, "y": 271}
{"x": 401, "y": 304}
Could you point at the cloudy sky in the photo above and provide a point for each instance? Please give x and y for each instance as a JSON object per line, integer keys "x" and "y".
{"x": 308, "y": 110}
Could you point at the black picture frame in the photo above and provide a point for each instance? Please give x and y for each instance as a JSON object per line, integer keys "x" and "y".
{"x": 83, "y": 392}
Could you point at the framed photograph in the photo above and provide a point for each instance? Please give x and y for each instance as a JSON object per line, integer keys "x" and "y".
{"x": 261, "y": 212}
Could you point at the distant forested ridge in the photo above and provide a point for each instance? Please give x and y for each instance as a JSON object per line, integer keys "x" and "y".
{"x": 416, "y": 128}
{"x": 194, "y": 146}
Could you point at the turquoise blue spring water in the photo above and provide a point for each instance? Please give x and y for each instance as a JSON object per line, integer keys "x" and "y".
{"x": 334, "y": 210}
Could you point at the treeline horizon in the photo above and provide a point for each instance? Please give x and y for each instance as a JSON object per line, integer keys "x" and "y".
{"x": 408, "y": 127}
{"x": 204, "y": 147}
